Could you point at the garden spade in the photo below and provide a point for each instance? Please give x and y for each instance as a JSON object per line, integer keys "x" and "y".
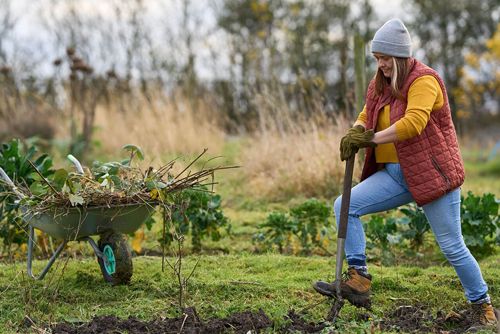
{"x": 341, "y": 235}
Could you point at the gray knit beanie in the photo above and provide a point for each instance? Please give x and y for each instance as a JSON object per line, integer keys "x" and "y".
{"x": 392, "y": 39}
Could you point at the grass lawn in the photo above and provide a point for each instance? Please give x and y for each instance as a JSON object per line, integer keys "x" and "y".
{"x": 222, "y": 285}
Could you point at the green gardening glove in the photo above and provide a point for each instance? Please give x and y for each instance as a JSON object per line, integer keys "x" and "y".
{"x": 355, "y": 129}
{"x": 353, "y": 141}
{"x": 346, "y": 149}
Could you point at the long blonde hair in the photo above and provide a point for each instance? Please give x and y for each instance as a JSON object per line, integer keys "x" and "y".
{"x": 400, "y": 70}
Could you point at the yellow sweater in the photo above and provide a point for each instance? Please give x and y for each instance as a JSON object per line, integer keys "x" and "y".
{"x": 424, "y": 96}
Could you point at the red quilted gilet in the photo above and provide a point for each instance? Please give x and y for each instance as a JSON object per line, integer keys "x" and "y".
{"x": 431, "y": 162}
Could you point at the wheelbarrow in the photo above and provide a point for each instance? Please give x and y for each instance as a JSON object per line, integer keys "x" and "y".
{"x": 79, "y": 224}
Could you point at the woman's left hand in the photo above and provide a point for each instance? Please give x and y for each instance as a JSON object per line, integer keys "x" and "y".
{"x": 364, "y": 139}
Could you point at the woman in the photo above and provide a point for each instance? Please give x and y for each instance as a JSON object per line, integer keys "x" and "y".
{"x": 412, "y": 155}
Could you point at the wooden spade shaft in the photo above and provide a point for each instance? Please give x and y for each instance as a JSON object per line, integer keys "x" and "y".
{"x": 341, "y": 235}
{"x": 342, "y": 227}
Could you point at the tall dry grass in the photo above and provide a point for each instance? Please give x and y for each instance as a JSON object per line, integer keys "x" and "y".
{"x": 293, "y": 155}
{"x": 288, "y": 155}
{"x": 162, "y": 129}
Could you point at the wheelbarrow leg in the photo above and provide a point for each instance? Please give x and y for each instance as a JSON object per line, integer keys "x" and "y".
{"x": 30, "y": 255}
{"x": 96, "y": 249}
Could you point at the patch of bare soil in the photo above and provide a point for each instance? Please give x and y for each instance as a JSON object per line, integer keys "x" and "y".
{"x": 419, "y": 319}
{"x": 188, "y": 323}
{"x": 298, "y": 324}
{"x": 403, "y": 319}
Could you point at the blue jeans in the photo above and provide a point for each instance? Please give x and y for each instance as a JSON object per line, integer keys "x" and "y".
{"x": 386, "y": 190}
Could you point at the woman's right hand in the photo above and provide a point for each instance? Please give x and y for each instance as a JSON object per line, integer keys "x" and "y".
{"x": 355, "y": 139}
{"x": 346, "y": 148}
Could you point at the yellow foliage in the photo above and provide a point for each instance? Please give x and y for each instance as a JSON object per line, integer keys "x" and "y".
{"x": 480, "y": 78}
{"x": 472, "y": 60}
{"x": 154, "y": 193}
{"x": 137, "y": 240}
{"x": 259, "y": 7}
{"x": 493, "y": 44}
{"x": 296, "y": 247}
{"x": 261, "y": 34}
{"x": 462, "y": 114}
{"x": 295, "y": 9}
{"x": 319, "y": 82}
{"x": 325, "y": 243}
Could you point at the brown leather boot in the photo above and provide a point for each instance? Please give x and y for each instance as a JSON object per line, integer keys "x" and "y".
{"x": 484, "y": 314}
{"x": 355, "y": 287}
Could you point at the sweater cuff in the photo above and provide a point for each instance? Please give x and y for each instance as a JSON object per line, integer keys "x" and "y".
{"x": 401, "y": 131}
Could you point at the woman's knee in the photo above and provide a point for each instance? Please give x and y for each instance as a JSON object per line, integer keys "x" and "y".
{"x": 336, "y": 205}
{"x": 455, "y": 252}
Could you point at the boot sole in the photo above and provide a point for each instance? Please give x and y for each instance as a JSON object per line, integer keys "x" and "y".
{"x": 356, "y": 299}
{"x": 324, "y": 292}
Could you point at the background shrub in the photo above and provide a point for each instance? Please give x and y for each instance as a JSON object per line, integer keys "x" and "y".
{"x": 198, "y": 213}
{"x": 480, "y": 223}
{"x": 14, "y": 159}
{"x": 306, "y": 224}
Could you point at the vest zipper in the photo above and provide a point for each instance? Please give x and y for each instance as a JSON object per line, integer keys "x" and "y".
{"x": 440, "y": 171}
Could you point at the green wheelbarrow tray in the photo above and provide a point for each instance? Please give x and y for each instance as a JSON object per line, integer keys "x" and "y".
{"x": 75, "y": 223}
{"x": 79, "y": 224}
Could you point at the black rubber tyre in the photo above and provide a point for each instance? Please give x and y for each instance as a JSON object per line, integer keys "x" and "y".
{"x": 119, "y": 248}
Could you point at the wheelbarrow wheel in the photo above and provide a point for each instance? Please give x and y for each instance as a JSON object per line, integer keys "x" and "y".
{"x": 118, "y": 269}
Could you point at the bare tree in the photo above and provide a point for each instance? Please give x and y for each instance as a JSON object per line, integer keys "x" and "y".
{"x": 7, "y": 24}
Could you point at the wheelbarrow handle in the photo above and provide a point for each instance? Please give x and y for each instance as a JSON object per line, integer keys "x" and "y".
{"x": 11, "y": 184}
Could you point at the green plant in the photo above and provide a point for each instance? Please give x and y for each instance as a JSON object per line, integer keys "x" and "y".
{"x": 307, "y": 222}
{"x": 417, "y": 224}
{"x": 278, "y": 230}
{"x": 381, "y": 234}
{"x": 311, "y": 221}
{"x": 480, "y": 223}
{"x": 198, "y": 212}
{"x": 479, "y": 220}
{"x": 15, "y": 160}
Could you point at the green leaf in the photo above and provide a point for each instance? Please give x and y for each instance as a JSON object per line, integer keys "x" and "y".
{"x": 104, "y": 182}
{"x": 37, "y": 189}
{"x": 116, "y": 180}
{"x": 114, "y": 169}
{"x": 214, "y": 202}
{"x": 59, "y": 179}
{"x": 149, "y": 223}
{"x": 152, "y": 184}
{"x": 43, "y": 164}
{"x": 69, "y": 184}
{"x": 134, "y": 150}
